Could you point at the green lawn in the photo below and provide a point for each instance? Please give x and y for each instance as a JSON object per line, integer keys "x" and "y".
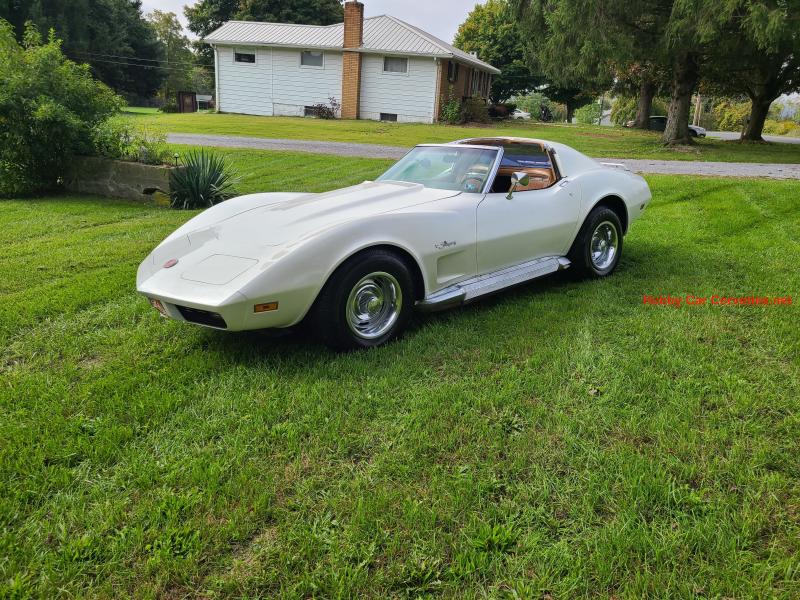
{"x": 605, "y": 142}
{"x": 561, "y": 440}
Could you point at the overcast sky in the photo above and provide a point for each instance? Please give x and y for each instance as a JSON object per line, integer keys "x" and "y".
{"x": 439, "y": 17}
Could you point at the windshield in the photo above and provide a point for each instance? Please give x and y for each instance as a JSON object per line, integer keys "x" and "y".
{"x": 444, "y": 168}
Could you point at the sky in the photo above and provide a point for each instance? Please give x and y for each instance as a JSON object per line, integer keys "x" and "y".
{"x": 439, "y": 17}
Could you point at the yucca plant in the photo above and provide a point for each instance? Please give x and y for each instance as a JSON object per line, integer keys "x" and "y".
{"x": 205, "y": 180}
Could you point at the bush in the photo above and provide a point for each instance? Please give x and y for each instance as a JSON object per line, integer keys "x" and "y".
{"x": 170, "y": 107}
{"x": 326, "y": 111}
{"x": 475, "y": 110}
{"x": 589, "y": 114}
{"x": 539, "y": 106}
{"x": 784, "y": 127}
{"x": 48, "y": 108}
{"x": 624, "y": 109}
{"x": 502, "y": 110}
{"x": 121, "y": 138}
{"x": 731, "y": 115}
{"x": 205, "y": 181}
{"x": 451, "y": 110}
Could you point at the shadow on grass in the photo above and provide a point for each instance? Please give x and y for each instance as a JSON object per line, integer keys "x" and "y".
{"x": 297, "y": 348}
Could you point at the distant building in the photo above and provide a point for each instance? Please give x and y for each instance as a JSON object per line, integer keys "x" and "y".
{"x": 380, "y": 68}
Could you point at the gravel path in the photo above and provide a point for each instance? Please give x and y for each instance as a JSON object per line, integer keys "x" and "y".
{"x": 665, "y": 167}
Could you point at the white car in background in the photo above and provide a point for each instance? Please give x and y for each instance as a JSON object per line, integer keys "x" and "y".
{"x": 445, "y": 225}
{"x": 521, "y": 115}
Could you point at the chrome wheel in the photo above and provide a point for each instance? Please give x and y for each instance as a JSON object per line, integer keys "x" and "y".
{"x": 374, "y": 304}
{"x": 604, "y": 245}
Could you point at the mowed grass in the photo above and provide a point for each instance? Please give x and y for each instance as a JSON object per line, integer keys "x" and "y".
{"x": 562, "y": 439}
{"x": 597, "y": 141}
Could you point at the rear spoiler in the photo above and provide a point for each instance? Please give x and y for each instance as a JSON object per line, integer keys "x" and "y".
{"x": 615, "y": 166}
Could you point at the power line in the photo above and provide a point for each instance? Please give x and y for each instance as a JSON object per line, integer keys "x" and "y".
{"x": 174, "y": 62}
{"x": 128, "y": 64}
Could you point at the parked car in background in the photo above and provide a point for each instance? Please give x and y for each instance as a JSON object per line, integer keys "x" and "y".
{"x": 521, "y": 115}
{"x": 659, "y": 123}
{"x": 445, "y": 225}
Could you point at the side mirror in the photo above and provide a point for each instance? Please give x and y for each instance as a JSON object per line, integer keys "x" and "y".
{"x": 518, "y": 179}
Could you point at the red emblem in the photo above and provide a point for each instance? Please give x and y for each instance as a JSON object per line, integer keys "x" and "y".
{"x": 170, "y": 263}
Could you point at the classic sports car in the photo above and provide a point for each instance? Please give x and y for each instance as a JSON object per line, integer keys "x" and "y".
{"x": 446, "y": 224}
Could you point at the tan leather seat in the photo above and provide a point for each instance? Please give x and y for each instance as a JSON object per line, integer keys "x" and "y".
{"x": 539, "y": 178}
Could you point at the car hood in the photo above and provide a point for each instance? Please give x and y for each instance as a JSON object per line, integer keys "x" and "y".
{"x": 218, "y": 253}
{"x": 277, "y": 224}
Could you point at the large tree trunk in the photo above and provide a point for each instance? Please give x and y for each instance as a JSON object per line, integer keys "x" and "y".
{"x": 645, "y": 107}
{"x": 570, "y": 111}
{"x": 684, "y": 80}
{"x": 759, "y": 107}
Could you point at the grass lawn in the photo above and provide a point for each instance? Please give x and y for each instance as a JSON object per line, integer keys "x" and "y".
{"x": 560, "y": 439}
{"x": 605, "y": 142}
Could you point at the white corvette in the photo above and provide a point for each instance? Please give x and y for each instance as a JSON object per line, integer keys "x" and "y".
{"x": 446, "y": 224}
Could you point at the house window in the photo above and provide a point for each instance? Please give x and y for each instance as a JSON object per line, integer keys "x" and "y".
{"x": 389, "y": 117}
{"x": 395, "y": 64}
{"x": 312, "y": 58}
{"x": 244, "y": 57}
{"x": 452, "y": 71}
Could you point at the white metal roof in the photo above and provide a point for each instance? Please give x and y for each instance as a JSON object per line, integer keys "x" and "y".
{"x": 382, "y": 34}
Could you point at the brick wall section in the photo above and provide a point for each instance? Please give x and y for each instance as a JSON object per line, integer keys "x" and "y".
{"x": 459, "y": 85}
{"x": 351, "y": 61}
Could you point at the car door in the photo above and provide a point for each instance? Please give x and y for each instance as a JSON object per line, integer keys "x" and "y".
{"x": 531, "y": 224}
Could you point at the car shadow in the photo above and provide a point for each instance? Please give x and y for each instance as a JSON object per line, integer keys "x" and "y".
{"x": 642, "y": 269}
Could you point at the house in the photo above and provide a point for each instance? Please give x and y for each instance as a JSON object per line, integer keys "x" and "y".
{"x": 380, "y": 68}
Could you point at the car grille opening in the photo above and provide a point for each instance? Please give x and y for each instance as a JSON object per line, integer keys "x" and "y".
{"x": 202, "y": 317}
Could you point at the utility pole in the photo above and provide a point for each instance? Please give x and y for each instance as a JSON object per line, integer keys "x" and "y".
{"x": 698, "y": 110}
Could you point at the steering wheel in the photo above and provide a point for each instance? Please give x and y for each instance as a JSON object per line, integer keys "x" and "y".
{"x": 474, "y": 178}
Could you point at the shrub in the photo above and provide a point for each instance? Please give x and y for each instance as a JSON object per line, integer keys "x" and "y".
{"x": 624, "y": 109}
{"x": 475, "y": 110}
{"x": 501, "y": 111}
{"x": 731, "y": 115}
{"x": 774, "y": 127}
{"x": 589, "y": 114}
{"x": 123, "y": 139}
{"x": 541, "y": 107}
{"x": 451, "y": 109}
{"x": 170, "y": 107}
{"x": 326, "y": 111}
{"x": 48, "y": 107}
{"x": 205, "y": 181}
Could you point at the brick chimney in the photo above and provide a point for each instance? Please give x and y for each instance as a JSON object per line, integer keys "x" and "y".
{"x": 351, "y": 61}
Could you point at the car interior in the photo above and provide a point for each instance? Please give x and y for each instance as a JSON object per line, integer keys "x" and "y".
{"x": 521, "y": 156}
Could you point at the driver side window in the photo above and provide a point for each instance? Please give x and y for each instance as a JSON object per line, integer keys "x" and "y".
{"x": 528, "y": 158}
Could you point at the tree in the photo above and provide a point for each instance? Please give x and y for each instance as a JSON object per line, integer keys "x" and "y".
{"x": 759, "y": 55}
{"x": 109, "y": 35}
{"x": 576, "y": 66}
{"x": 207, "y": 15}
{"x": 490, "y": 31}
{"x": 178, "y": 62}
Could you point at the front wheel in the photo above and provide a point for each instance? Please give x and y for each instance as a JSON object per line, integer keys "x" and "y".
{"x": 598, "y": 247}
{"x": 367, "y": 302}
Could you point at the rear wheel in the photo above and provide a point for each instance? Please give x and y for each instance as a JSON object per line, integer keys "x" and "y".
{"x": 367, "y": 302}
{"x": 598, "y": 247}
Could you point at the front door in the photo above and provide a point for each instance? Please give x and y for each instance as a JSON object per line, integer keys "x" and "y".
{"x": 532, "y": 224}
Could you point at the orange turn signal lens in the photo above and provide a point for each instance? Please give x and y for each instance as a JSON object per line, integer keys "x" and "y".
{"x": 267, "y": 307}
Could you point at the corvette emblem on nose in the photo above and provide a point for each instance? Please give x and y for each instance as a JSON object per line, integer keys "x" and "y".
{"x": 170, "y": 263}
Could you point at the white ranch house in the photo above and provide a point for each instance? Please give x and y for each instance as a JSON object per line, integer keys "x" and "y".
{"x": 379, "y": 68}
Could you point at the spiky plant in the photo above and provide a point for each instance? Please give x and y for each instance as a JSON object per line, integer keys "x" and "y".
{"x": 205, "y": 180}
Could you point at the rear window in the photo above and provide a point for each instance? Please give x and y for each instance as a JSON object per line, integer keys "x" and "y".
{"x": 525, "y": 156}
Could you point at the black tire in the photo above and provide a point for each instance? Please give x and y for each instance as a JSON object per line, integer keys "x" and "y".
{"x": 693, "y": 133}
{"x": 580, "y": 254}
{"x": 330, "y": 317}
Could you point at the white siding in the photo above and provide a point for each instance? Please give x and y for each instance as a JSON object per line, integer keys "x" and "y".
{"x": 295, "y": 86}
{"x": 410, "y": 95}
{"x": 243, "y": 87}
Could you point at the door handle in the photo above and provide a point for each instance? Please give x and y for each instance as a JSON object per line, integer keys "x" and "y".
{"x": 564, "y": 183}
